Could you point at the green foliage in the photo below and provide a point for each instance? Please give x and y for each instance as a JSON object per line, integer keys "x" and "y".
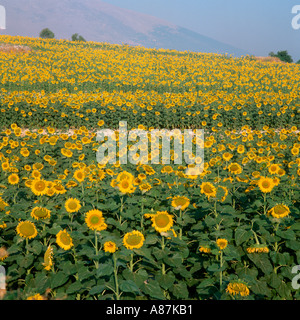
{"x": 77, "y": 37}
{"x": 282, "y": 55}
{"x": 47, "y": 34}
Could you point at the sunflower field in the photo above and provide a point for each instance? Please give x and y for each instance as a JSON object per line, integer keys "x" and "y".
{"x": 72, "y": 228}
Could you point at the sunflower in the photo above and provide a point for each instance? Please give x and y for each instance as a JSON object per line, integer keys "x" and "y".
{"x": 36, "y": 297}
{"x": 238, "y": 287}
{"x": 258, "y": 249}
{"x": 72, "y": 205}
{"x": 145, "y": 186}
{"x": 208, "y": 189}
{"x": 40, "y": 213}
{"x": 265, "y": 184}
{"x": 180, "y": 202}
{"x": 3, "y": 204}
{"x": 222, "y": 243}
{"x": 94, "y": 220}
{"x": 133, "y": 240}
{"x": 38, "y": 187}
{"x": 167, "y": 169}
{"x": 279, "y": 211}
{"x": 125, "y": 175}
{"x": 227, "y": 156}
{"x": 162, "y": 221}
{"x": 235, "y": 168}
{"x": 125, "y": 186}
{"x": 273, "y": 168}
{"x": 48, "y": 258}
{"x": 79, "y": 175}
{"x": 64, "y": 240}
{"x": 13, "y": 179}
{"x": 204, "y": 249}
{"x": 110, "y": 246}
{"x": 26, "y": 229}
{"x": 3, "y": 253}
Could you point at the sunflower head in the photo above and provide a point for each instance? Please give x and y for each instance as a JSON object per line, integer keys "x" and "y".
{"x": 133, "y": 240}
{"x": 238, "y": 288}
{"x": 110, "y": 246}
{"x": 222, "y": 243}
{"x": 40, "y": 213}
{"x": 72, "y": 205}
{"x": 13, "y": 179}
{"x": 95, "y": 220}
{"x": 266, "y": 184}
{"x": 279, "y": 211}
{"x": 64, "y": 240}
{"x": 39, "y": 187}
{"x": 48, "y": 258}
{"x": 162, "y": 221}
{"x": 27, "y": 230}
{"x": 208, "y": 189}
{"x": 180, "y": 202}
{"x": 126, "y": 186}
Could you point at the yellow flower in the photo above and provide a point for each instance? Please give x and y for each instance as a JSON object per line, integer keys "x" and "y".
{"x": 126, "y": 186}
{"x": 235, "y": 168}
{"x": 79, "y": 175}
{"x": 13, "y": 179}
{"x": 180, "y": 202}
{"x": 3, "y": 253}
{"x": 222, "y": 243}
{"x": 258, "y": 249}
{"x": 279, "y": 211}
{"x": 36, "y": 297}
{"x": 95, "y": 220}
{"x": 72, "y": 205}
{"x": 238, "y": 288}
{"x": 39, "y": 187}
{"x": 265, "y": 184}
{"x": 162, "y": 221}
{"x": 204, "y": 249}
{"x": 48, "y": 258}
{"x": 64, "y": 240}
{"x": 110, "y": 246}
{"x": 208, "y": 189}
{"x": 26, "y": 229}
{"x": 40, "y": 213}
{"x": 133, "y": 240}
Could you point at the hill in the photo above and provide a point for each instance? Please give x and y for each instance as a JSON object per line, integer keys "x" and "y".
{"x": 102, "y": 22}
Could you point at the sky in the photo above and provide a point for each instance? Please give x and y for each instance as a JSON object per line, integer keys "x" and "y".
{"x": 257, "y": 26}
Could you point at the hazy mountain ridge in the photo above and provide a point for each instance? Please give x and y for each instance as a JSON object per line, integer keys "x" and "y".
{"x": 98, "y": 21}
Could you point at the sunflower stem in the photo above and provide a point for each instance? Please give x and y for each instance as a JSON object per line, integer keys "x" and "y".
{"x": 163, "y": 267}
{"x": 96, "y": 249}
{"x": 116, "y": 277}
{"x": 265, "y": 203}
{"x": 221, "y": 272}
{"x": 180, "y": 230}
{"x": 131, "y": 263}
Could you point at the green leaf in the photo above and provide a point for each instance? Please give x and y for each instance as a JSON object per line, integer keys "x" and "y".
{"x": 129, "y": 286}
{"x": 153, "y": 289}
{"x": 287, "y": 234}
{"x": 26, "y": 261}
{"x": 166, "y": 280}
{"x": 261, "y": 261}
{"x": 97, "y": 289}
{"x": 74, "y": 287}
{"x": 180, "y": 290}
{"x": 105, "y": 270}
{"x": 58, "y": 279}
{"x": 242, "y": 235}
{"x": 261, "y": 288}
